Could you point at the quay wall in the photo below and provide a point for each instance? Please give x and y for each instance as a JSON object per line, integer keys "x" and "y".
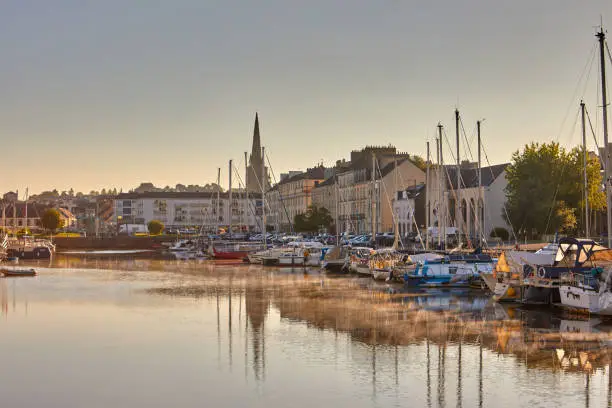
{"x": 117, "y": 242}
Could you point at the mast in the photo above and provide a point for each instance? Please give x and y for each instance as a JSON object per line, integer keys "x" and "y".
{"x": 336, "y": 199}
{"x": 218, "y": 199}
{"x": 480, "y": 206}
{"x": 458, "y": 213}
{"x": 439, "y": 190}
{"x": 26, "y": 212}
{"x": 263, "y": 199}
{"x": 373, "y": 200}
{"x": 443, "y": 187}
{"x": 585, "y": 164}
{"x": 427, "y": 199}
{"x": 395, "y": 220}
{"x": 246, "y": 194}
{"x": 604, "y": 98}
{"x": 231, "y": 212}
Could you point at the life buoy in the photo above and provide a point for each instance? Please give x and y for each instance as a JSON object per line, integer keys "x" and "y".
{"x": 541, "y": 272}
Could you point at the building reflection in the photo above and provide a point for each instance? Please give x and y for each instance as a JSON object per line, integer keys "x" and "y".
{"x": 257, "y": 305}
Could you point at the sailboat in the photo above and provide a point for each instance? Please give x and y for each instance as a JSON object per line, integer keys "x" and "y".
{"x": 592, "y": 291}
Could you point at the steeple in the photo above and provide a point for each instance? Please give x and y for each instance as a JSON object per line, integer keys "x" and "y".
{"x": 256, "y": 150}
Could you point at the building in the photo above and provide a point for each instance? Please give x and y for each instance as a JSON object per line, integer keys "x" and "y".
{"x": 190, "y": 209}
{"x": 17, "y": 216}
{"x": 256, "y": 168}
{"x": 292, "y": 196}
{"x": 365, "y": 202}
{"x": 324, "y": 194}
{"x": 409, "y": 208}
{"x": 459, "y": 207}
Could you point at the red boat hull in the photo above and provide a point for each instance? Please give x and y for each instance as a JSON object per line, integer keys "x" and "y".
{"x": 229, "y": 255}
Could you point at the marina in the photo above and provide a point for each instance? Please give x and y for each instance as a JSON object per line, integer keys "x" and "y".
{"x": 350, "y": 340}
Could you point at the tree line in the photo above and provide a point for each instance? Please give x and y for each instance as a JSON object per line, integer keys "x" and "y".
{"x": 545, "y": 191}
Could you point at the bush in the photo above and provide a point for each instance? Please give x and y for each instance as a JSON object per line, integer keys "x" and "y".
{"x": 501, "y": 233}
{"x": 155, "y": 227}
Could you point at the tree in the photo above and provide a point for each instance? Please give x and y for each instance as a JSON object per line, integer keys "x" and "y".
{"x": 155, "y": 227}
{"x": 545, "y": 189}
{"x": 314, "y": 219}
{"x": 51, "y": 220}
{"x": 419, "y": 162}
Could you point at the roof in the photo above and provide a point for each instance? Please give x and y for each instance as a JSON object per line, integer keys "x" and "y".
{"x": 469, "y": 176}
{"x": 34, "y": 210}
{"x": 316, "y": 173}
{"x": 180, "y": 195}
{"x": 328, "y": 182}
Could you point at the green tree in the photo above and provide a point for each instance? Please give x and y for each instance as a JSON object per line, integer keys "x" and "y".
{"x": 545, "y": 189}
{"x": 314, "y": 219}
{"x": 419, "y": 162}
{"x": 155, "y": 227}
{"x": 51, "y": 220}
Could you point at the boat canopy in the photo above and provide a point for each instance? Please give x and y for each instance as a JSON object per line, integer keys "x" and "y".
{"x": 576, "y": 251}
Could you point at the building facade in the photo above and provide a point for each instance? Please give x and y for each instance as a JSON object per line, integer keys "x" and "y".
{"x": 366, "y": 202}
{"x": 16, "y": 216}
{"x": 292, "y": 196}
{"x": 459, "y": 207}
{"x": 191, "y": 209}
{"x": 409, "y": 208}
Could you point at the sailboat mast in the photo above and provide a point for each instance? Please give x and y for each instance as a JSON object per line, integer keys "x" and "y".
{"x": 458, "y": 214}
{"x": 439, "y": 190}
{"x": 443, "y": 187}
{"x": 263, "y": 198}
{"x": 604, "y": 98}
{"x": 336, "y": 200}
{"x": 585, "y": 164}
{"x": 218, "y": 199}
{"x": 373, "y": 200}
{"x": 480, "y": 205}
{"x": 427, "y": 199}
{"x": 246, "y": 193}
{"x": 231, "y": 207}
{"x": 26, "y": 212}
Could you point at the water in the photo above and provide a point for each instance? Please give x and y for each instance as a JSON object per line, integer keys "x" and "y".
{"x": 86, "y": 336}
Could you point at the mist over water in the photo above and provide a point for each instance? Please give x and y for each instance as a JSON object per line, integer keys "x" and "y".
{"x": 142, "y": 333}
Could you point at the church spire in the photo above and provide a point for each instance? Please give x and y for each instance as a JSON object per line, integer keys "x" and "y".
{"x": 256, "y": 150}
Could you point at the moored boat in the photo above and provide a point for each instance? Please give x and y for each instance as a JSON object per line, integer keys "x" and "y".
{"x": 13, "y": 272}
{"x": 336, "y": 259}
{"x": 574, "y": 257}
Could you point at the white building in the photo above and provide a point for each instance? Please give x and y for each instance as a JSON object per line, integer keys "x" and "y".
{"x": 190, "y": 209}
{"x": 461, "y": 206}
{"x": 409, "y": 208}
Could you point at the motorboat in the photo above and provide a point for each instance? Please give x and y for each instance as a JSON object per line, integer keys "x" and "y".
{"x": 457, "y": 270}
{"x": 360, "y": 260}
{"x": 506, "y": 279}
{"x": 336, "y": 259}
{"x": 17, "y": 272}
{"x": 28, "y": 247}
{"x": 574, "y": 257}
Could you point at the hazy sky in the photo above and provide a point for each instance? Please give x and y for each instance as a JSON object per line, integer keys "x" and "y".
{"x": 116, "y": 92}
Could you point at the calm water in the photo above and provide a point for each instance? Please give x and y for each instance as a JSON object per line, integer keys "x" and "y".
{"x": 76, "y": 337}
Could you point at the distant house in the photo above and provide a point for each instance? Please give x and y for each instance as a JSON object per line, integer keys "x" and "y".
{"x": 19, "y": 215}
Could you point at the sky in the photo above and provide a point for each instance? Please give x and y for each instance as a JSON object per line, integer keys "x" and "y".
{"x": 99, "y": 94}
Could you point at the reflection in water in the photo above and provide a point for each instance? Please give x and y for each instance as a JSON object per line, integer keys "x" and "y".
{"x": 257, "y": 304}
{"x": 385, "y": 333}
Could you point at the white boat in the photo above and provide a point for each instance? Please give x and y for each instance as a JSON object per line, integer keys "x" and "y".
{"x": 360, "y": 260}
{"x": 291, "y": 258}
{"x": 587, "y": 294}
